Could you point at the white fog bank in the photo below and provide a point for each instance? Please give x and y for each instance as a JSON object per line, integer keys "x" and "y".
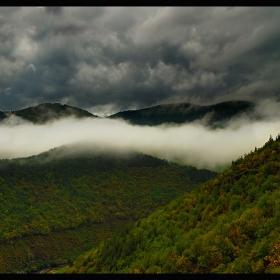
{"x": 191, "y": 144}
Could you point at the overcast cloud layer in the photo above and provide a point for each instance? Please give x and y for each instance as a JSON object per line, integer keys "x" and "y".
{"x": 108, "y": 59}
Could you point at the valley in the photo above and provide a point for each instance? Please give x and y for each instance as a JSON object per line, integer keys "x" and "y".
{"x": 79, "y": 208}
{"x": 65, "y": 204}
{"x": 139, "y": 140}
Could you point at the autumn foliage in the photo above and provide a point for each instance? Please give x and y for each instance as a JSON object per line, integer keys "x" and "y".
{"x": 229, "y": 224}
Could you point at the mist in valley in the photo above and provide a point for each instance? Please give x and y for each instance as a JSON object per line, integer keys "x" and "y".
{"x": 192, "y": 144}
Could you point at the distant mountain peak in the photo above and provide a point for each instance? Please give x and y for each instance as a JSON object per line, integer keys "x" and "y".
{"x": 46, "y": 112}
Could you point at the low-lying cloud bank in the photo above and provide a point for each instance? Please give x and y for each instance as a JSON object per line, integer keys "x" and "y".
{"x": 192, "y": 144}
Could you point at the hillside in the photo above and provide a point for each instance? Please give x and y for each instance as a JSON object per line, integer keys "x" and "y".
{"x": 2, "y": 116}
{"x": 58, "y": 203}
{"x": 47, "y": 112}
{"x": 229, "y": 224}
{"x": 217, "y": 114}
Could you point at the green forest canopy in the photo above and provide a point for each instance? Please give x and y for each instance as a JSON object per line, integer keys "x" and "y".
{"x": 229, "y": 224}
{"x": 51, "y": 193}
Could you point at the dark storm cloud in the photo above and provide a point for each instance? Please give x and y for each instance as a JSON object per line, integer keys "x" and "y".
{"x": 119, "y": 58}
{"x": 68, "y": 30}
{"x": 237, "y": 75}
{"x": 54, "y": 10}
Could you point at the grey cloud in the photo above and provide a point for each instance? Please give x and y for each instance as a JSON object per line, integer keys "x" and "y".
{"x": 121, "y": 20}
{"x": 9, "y": 10}
{"x": 69, "y": 29}
{"x": 54, "y": 10}
{"x": 128, "y": 57}
{"x": 86, "y": 14}
{"x": 237, "y": 74}
{"x": 2, "y": 22}
{"x": 8, "y": 70}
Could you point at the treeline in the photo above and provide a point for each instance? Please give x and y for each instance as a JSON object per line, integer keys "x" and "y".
{"x": 44, "y": 194}
{"x": 229, "y": 224}
{"x": 180, "y": 113}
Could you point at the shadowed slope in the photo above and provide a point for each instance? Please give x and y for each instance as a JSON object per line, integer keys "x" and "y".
{"x": 49, "y": 112}
{"x": 217, "y": 114}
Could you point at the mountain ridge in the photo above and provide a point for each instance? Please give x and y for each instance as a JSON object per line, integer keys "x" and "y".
{"x": 216, "y": 114}
{"x": 180, "y": 113}
{"x": 46, "y": 112}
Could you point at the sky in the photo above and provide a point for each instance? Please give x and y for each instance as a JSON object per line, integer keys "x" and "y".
{"x": 110, "y": 59}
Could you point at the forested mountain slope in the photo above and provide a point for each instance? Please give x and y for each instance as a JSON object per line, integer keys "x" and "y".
{"x": 50, "y": 194}
{"x": 227, "y": 225}
{"x": 47, "y": 112}
{"x": 217, "y": 114}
